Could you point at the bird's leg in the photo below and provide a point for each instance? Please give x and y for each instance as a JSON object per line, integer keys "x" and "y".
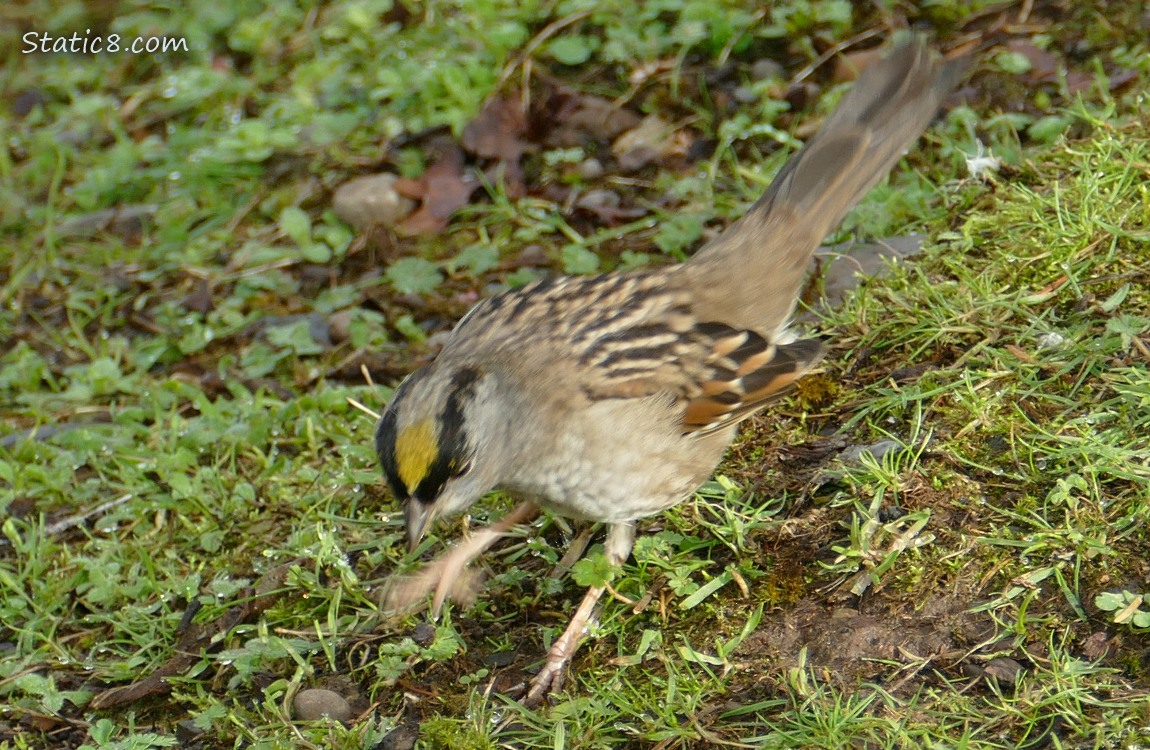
{"x": 620, "y": 539}
{"x": 550, "y": 677}
{"x": 446, "y": 572}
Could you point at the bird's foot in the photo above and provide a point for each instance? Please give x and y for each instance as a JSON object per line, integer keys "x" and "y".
{"x": 552, "y": 676}
{"x": 549, "y": 680}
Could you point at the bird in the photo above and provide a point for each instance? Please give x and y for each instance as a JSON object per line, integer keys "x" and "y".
{"x": 613, "y": 397}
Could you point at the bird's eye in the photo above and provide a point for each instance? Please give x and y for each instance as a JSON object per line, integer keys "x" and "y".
{"x": 461, "y": 469}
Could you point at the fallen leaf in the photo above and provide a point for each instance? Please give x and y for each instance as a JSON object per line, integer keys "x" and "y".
{"x": 496, "y": 132}
{"x": 443, "y": 189}
{"x": 569, "y": 119}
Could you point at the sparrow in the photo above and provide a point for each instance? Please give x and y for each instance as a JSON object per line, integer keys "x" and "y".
{"x": 611, "y": 398}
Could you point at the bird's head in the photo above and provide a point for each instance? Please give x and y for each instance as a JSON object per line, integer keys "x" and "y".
{"x": 438, "y": 443}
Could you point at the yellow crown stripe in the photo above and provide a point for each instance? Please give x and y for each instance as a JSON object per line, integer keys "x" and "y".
{"x": 415, "y": 450}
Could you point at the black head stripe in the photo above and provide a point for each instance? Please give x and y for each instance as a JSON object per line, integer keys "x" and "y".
{"x": 386, "y": 433}
{"x": 454, "y": 454}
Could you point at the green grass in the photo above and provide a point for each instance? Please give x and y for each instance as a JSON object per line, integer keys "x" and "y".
{"x": 185, "y": 483}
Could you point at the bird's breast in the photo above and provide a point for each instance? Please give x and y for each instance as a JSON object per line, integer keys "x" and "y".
{"x": 618, "y": 460}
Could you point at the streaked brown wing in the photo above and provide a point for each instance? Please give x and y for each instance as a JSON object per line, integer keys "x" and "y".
{"x": 747, "y": 372}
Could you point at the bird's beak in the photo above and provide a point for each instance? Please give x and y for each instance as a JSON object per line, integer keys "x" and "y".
{"x": 418, "y": 517}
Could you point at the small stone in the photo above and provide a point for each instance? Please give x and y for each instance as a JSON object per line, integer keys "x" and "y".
{"x": 594, "y": 200}
{"x": 746, "y": 95}
{"x": 339, "y": 325}
{"x": 1004, "y": 669}
{"x": 423, "y": 633}
{"x": 200, "y": 299}
{"x": 317, "y": 703}
{"x": 370, "y": 201}
{"x": 1096, "y": 646}
{"x": 27, "y": 100}
{"x": 591, "y": 169}
{"x": 765, "y": 68}
{"x": 500, "y": 659}
{"x": 801, "y": 94}
{"x": 888, "y": 513}
{"x": 402, "y": 737}
{"x": 972, "y": 670}
{"x": 532, "y": 256}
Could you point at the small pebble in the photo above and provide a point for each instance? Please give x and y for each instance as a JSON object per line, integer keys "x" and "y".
{"x": 746, "y": 95}
{"x": 1004, "y": 669}
{"x": 371, "y": 200}
{"x": 500, "y": 659}
{"x": 532, "y": 255}
{"x": 339, "y": 325}
{"x": 317, "y": 703}
{"x": 598, "y": 199}
{"x": 591, "y": 169}
{"x": 765, "y": 68}
{"x": 970, "y": 669}
{"x": 1096, "y": 646}
{"x": 423, "y": 633}
{"x": 123, "y": 221}
{"x": 402, "y": 737}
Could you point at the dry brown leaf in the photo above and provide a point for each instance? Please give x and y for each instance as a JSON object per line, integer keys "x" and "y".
{"x": 496, "y": 133}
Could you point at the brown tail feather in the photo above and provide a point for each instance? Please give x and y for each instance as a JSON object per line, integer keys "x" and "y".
{"x": 749, "y": 277}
